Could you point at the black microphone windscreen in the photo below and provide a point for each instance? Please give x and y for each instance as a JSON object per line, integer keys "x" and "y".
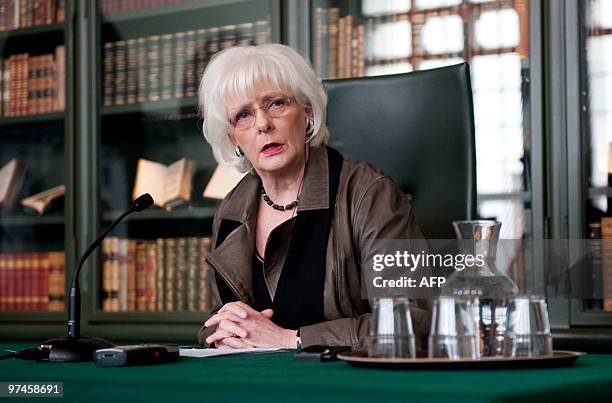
{"x": 142, "y": 202}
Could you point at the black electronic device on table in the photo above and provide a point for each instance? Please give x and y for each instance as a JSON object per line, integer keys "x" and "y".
{"x": 137, "y": 354}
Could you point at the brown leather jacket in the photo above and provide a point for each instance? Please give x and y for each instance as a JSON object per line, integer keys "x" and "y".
{"x": 369, "y": 206}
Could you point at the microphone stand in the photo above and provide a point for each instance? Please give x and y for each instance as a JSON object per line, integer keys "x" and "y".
{"x": 73, "y": 347}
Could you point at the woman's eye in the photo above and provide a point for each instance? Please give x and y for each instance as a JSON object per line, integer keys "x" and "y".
{"x": 242, "y": 115}
{"x": 277, "y": 103}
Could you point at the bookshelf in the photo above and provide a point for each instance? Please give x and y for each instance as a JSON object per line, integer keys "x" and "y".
{"x": 34, "y": 130}
{"x": 594, "y": 209}
{"x": 152, "y": 114}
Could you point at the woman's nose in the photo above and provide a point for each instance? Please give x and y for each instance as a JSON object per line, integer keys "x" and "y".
{"x": 263, "y": 123}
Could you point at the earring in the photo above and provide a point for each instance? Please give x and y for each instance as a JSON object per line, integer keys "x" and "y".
{"x": 239, "y": 152}
{"x": 309, "y": 129}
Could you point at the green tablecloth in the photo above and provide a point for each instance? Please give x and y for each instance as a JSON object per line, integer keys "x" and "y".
{"x": 276, "y": 377}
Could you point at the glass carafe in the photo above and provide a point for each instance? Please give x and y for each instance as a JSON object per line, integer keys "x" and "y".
{"x": 489, "y": 289}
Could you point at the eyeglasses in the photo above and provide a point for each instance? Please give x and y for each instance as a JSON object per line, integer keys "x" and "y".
{"x": 274, "y": 107}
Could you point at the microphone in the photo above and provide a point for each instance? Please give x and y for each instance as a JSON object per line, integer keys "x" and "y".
{"x": 73, "y": 347}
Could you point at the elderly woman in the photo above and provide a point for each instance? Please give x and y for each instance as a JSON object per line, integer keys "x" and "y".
{"x": 288, "y": 240}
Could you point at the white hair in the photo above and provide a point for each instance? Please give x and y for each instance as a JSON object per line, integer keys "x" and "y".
{"x": 236, "y": 73}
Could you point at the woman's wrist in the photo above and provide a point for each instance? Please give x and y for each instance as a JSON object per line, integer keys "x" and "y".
{"x": 291, "y": 339}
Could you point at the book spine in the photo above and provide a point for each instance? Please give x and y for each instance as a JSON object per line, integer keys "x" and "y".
{"x": 150, "y": 276}
{"x": 160, "y": 256}
{"x": 204, "y": 295}
{"x": 192, "y": 283}
{"x": 332, "y": 50}
{"x": 25, "y": 84}
{"x": 262, "y": 32}
{"x": 105, "y": 276}
{"x": 361, "y": 50}
{"x": 355, "y": 52}
{"x": 227, "y": 35}
{"x": 6, "y": 92}
{"x": 170, "y": 267}
{"x": 120, "y": 73}
{"x": 122, "y": 257}
{"x": 141, "y": 272}
{"x": 60, "y": 78}
{"x": 108, "y": 74}
{"x": 11, "y": 283}
{"x": 114, "y": 276}
{"x": 43, "y": 284}
{"x": 132, "y": 71}
{"x": 348, "y": 42}
{"x": 245, "y": 34}
{"x": 179, "y": 64}
{"x": 153, "y": 63}
{"x": 340, "y": 56}
{"x": 28, "y": 282}
{"x": 19, "y": 282}
{"x": 190, "y": 76}
{"x": 180, "y": 274}
{"x": 32, "y": 86}
{"x": 61, "y": 10}
{"x": 56, "y": 281}
{"x": 142, "y": 70}
{"x": 213, "y": 45}
{"x": 201, "y": 51}
{"x": 167, "y": 58}
{"x": 131, "y": 275}
{"x": 35, "y": 279}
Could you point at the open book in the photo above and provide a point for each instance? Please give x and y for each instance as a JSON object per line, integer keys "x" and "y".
{"x": 223, "y": 180}
{"x": 170, "y": 186}
{"x": 41, "y": 201}
{"x": 11, "y": 178}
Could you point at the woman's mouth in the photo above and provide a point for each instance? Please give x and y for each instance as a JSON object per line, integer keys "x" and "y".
{"x": 272, "y": 148}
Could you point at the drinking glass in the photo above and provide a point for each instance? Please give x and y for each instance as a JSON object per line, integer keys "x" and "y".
{"x": 453, "y": 329}
{"x": 391, "y": 334}
{"x": 527, "y": 328}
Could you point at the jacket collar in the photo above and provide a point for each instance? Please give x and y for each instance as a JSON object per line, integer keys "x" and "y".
{"x": 234, "y": 257}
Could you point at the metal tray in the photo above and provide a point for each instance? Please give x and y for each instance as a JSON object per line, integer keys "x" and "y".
{"x": 559, "y": 359}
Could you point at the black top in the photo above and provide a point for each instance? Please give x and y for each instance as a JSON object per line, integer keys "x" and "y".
{"x": 260, "y": 290}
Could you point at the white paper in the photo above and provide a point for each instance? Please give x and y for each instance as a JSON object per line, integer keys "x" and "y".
{"x": 216, "y": 352}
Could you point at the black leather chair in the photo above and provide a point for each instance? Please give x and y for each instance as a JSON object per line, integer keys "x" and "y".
{"x": 418, "y": 128}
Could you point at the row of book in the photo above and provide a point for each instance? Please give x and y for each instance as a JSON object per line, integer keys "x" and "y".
{"x": 162, "y": 275}
{"x": 32, "y": 281}
{"x": 602, "y": 263}
{"x": 339, "y": 44}
{"x": 26, "y": 13}
{"x": 161, "y": 67}
{"x": 33, "y": 84}
{"x": 122, "y": 6}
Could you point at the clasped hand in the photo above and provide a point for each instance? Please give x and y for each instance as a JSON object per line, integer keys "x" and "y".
{"x": 240, "y": 326}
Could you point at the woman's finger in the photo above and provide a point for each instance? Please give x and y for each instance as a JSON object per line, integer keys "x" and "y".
{"x": 220, "y": 334}
{"x": 235, "y": 309}
{"x": 267, "y": 313}
{"x": 215, "y": 319}
{"x": 246, "y": 308}
{"x": 234, "y": 342}
{"x": 232, "y": 327}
